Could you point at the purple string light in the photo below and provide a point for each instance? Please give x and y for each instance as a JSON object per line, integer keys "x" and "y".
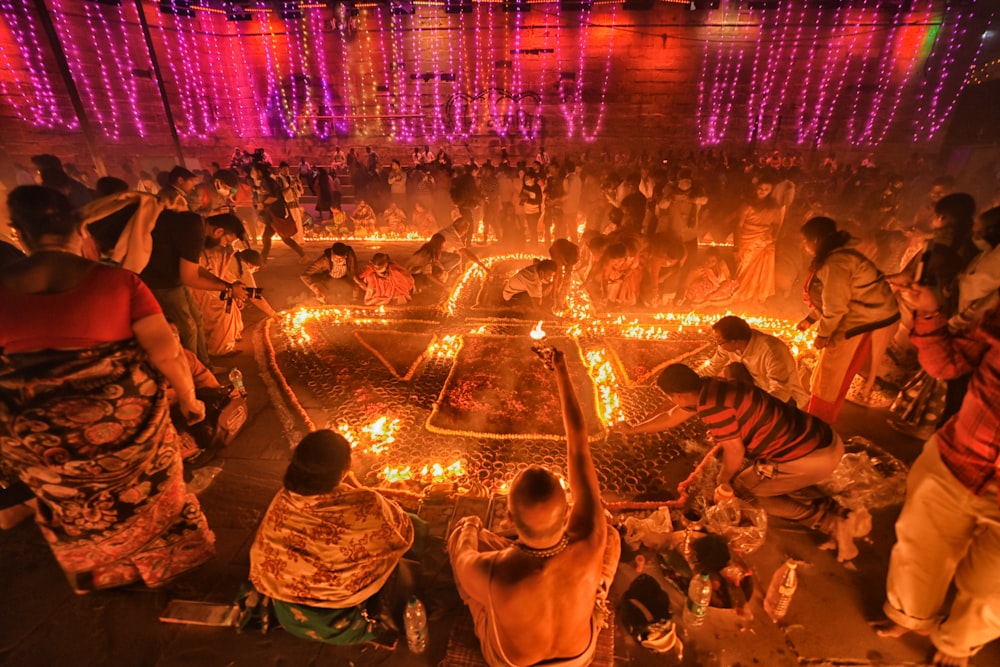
{"x": 591, "y": 136}
{"x": 825, "y": 116}
{"x": 777, "y": 87}
{"x": 386, "y": 72}
{"x": 277, "y": 102}
{"x": 247, "y": 81}
{"x": 125, "y": 68}
{"x": 932, "y": 110}
{"x": 219, "y": 81}
{"x": 87, "y": 95}
{"x": 42, "y": 109}
{"x": 434, "y": 47}
{"x": 108, "y": 78}
{"x": 717, "y": 92}
{"x": 808, "y": 123}
{"x": 4, "y": 90}
{"x": 316, "y": 29}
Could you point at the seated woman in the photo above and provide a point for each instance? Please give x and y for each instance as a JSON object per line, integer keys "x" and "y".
{"x": 425, "y": 266}
{"x": 395, "y": 219}
{"x": 385, "y": 282}
{"x": 364, "y": 219}
{"x": 334, "y": 275}
{"x": 424, "y": 222}
{"x": 711, "y": 283}
{"x": 86, "y": 424}
{"x": 327, "y": 546}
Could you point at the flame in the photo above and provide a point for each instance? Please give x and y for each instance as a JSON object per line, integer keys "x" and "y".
{"x": 377, "y": 435}
{"x": 434, "y": 473}
{"x": 391, "y": 475}
{"x": 447, "y": 347}
{"x": 538, "y": 333}
{"x": 606, "y": 383}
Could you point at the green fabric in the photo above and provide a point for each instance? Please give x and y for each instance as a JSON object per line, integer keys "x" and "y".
{"x": 331, "y": 626}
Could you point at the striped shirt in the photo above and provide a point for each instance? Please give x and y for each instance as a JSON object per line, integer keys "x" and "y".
{"x": 970, "y": 441}
{"x": 770, "y": 429}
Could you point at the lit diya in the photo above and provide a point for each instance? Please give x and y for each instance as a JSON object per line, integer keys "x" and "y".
{"x": 545, "y": 351}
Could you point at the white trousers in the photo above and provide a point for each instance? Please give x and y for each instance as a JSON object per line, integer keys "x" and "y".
{"x": 945, "y": 533}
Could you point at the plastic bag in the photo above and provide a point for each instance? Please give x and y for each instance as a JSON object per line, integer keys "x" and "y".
{"x": 654, "y": 531}
{"x": 743, "y": 525}
{"x": 867, "y": 477}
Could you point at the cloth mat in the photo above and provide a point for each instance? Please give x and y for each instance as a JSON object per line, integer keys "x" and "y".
{"x": 463, "y": 646}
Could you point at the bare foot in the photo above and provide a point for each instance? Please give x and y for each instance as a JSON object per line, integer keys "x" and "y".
{"x": 887, "y": 629}
{"x": 844, "y": 533}
{"x": 945, "y": 660}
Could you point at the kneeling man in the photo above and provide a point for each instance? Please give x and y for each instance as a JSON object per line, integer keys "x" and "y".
{"x": 327, "y": 546}
{"x": 541, "y": 599}
{"x": 790, "y": 451}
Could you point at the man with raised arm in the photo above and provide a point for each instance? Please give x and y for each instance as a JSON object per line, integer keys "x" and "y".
{"x": 541, "y": 598}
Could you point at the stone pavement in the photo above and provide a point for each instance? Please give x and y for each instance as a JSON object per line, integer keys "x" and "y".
{"x": 43, "y": 623}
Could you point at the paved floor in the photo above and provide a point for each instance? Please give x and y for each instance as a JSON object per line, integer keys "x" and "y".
{"x": 43, "y": 623}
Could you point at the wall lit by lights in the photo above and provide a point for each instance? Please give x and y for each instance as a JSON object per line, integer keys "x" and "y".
{"x": 414, "y": 72}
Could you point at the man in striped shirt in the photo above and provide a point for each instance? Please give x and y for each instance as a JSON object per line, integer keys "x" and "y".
{"x": 790, "y": 451}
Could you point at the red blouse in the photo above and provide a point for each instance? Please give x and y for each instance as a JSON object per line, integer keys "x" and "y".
{"x": 99, "y": 310}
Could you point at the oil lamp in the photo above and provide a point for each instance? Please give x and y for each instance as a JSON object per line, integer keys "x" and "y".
{"x": 545, "y": 351}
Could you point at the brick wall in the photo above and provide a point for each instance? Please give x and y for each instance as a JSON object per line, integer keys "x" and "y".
{"x": 655, "y": 63}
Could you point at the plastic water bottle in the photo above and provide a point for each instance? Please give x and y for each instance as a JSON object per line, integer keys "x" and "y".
{"x": 236, "y": 379}
{"x": 415, "y": 622}
{"x": 779, "y": 593}
{"x": 699, "y": 597}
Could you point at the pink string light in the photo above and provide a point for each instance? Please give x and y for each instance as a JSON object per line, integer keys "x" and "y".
{"x": 125, "y": 67}
{"x": 826, "y": 115}
{"x": 247, "y": 80}
{"x": 109, "y": 127}
{"x": 221, "y": 92}
{"x": 277, "y": 102}
{"x": 317, "y": 37}
{"x": 716, "y": 93}
{"x": 807, "y": 124}
{"x": 399, "y": 72}
{"x": 777, "y": 88}
{"x": 934, "y": 106}
{"x": 194, "y": 81}
{"x": 434, "y": 44}
{"x": 120, "y": 75}
{"x": 883, "y": 110}
{"x": 854, "y": 115}
{"x": 42, "y": 107}
{"x": 572, "y": 106}
{"x": 394, "y": 127}
{"x": 591, "y": 136}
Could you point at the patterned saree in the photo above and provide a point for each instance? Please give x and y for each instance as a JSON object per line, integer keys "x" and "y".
{"x": 88, "y": 431}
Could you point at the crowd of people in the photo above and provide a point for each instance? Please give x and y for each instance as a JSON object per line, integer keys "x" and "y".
{"x": 89, "y": 354}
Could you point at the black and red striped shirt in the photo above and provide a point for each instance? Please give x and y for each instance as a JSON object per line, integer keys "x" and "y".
{"x": 770, "y": 429}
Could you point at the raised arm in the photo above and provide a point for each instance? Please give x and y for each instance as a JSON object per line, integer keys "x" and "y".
{"x": 587, "y": 512}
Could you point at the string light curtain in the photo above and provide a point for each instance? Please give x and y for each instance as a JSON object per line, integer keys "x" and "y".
{"x": 862, "y": 69}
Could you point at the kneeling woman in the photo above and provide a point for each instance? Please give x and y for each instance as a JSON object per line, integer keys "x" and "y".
{"x": 84, "y": 418}
{"x": 326, "y": 545}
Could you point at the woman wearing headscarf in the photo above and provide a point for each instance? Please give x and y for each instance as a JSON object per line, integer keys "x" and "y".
{"x": 854, "y": 310}
{"x": 84, "y": 417}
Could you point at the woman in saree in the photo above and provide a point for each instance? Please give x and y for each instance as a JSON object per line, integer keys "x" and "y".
{"x": 855, "y": 313}
{"x": 327, "y": 546}
{"x": 755, "y": 237}
{"x": 84, "y": 419}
